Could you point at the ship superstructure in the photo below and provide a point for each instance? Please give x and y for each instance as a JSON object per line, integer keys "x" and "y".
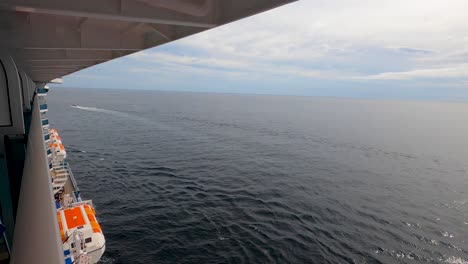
{"x": 42, "y": 217}
{"x": 82, "y": 238}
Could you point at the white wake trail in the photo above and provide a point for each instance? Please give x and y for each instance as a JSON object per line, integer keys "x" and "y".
{"x": 112, "y": 112}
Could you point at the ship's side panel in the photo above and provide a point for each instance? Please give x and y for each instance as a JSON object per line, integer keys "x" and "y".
{"x": 14, "y": 99}
{"x": 5, "y": 118}
{"x": 11, "y": 135}
{"x": 36, "y": 237}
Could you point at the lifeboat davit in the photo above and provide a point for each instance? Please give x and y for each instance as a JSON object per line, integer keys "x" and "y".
{"x": 56, "y": 145}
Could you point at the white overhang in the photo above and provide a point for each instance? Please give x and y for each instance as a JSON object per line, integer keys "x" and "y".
{"x": 50, "y": 38}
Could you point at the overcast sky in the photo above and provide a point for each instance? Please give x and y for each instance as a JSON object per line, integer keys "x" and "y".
{"x": 413, "y": 49}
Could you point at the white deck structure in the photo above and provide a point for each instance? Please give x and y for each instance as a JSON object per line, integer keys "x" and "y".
{"x": 50, "y": 38}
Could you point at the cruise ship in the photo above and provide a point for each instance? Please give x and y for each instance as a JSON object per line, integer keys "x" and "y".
{"x": 43, "y": 217}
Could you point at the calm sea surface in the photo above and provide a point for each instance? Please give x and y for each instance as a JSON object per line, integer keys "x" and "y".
{"x": 222, "y": 178}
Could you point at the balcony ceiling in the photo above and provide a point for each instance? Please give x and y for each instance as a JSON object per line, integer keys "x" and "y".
{"x": 50, "y": 39}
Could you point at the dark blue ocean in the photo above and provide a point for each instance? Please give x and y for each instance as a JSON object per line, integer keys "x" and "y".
{"x": 225, "y": 178}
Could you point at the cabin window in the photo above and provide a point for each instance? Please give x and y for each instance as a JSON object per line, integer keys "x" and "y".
{"x": 88, "y": 240}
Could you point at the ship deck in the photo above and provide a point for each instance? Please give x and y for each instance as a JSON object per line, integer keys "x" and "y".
{"x": 64, "y": 184}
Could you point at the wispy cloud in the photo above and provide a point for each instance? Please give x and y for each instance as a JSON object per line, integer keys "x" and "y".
{"x": 349, "y": 42}
{"x": 168, "y": 58}
{"x": 456, "y": 71}
{"x": 312, "y": 29}
{"x": 238, "y": 68}
{"x": 91, "y": 76}
{"x": 327, "y": 40}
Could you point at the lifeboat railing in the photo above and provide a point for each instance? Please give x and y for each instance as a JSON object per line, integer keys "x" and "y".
{"x": 89, "y": 202}
{"x": 74, "y": 184}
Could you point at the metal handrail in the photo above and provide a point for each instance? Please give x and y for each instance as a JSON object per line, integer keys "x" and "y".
{"x": 73, "y": 181}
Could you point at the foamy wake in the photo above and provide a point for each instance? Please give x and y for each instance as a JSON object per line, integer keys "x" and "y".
{"x": 95, "y": 109}
{"x": 107, "y": 260}
{"x": 112, "y": 112}
{"x": 455, "y": 260}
